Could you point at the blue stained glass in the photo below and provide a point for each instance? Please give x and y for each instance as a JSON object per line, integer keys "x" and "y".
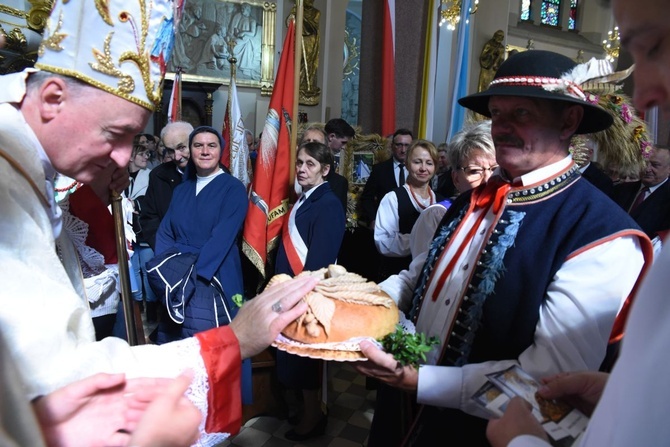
{"x": 572, "y": 21}
{"x": 525, "y": 10}
{"x": 549, "y": 12}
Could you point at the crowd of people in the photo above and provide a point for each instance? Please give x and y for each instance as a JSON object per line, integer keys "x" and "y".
{"x": 504, "y": 244}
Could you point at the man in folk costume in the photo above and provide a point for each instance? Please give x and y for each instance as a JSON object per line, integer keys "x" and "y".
{"x": 97, "y": 80}
{"x": 530, "y": 269}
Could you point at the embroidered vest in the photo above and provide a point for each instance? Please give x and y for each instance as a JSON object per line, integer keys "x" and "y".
{"x": 538, "y": 229}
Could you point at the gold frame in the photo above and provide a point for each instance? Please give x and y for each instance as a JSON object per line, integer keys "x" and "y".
{"x": 373, "y": 145}
{"x": 265, "y": 81}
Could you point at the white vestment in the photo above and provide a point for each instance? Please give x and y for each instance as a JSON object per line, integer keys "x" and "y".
{"x": 46, "y": 323}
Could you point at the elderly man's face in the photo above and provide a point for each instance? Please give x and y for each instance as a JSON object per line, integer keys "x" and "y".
{"x": 81, "y": 141}
{"x": 176, "y": 142}
{"x": 529, "y": 133}
{"x": 658, "y": 167}
{"x": 645, "y": 32}
{"x": 313, "y": 135}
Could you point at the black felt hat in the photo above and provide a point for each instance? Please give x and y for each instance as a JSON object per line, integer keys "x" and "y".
{"x": 539, "y": 74}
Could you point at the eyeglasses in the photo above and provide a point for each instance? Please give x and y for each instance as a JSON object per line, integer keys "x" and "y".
{"x": 477, "y": 171}
{"x": 146, "y": 154}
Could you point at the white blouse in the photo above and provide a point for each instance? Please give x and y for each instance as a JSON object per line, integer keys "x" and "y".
{"x": 388, "y": 239}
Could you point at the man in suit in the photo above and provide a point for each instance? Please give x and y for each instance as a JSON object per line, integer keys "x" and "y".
{"x": 442, "y": 183}
{"x": 648, "y": 200}
{"x": 387, "y": 175}
{"x": 338, "y": 134}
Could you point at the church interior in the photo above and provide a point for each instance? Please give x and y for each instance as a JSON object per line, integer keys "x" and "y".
{"x": 349, "y": 67}
{"x": 443, "y": 50}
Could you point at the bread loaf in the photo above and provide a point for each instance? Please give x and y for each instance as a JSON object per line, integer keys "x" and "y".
{"x": 342, "y": 306}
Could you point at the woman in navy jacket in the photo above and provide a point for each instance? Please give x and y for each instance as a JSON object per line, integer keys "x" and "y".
{"x": 310, "y": 241}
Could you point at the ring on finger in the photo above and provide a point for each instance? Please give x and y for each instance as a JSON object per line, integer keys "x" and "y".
{"x": 276, "y": 307}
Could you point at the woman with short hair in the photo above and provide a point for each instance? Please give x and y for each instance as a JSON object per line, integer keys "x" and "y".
{"x": 311, "y": 241}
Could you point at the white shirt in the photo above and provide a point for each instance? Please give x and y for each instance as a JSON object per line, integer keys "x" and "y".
{"x": 424, "y": 228}
{"x": 388, "y": 239}
{"x": 633, "y": 409}
{"x": 575, "y": 319}
{"x": 39, "y": 294}
{"x": 201, "y": 182}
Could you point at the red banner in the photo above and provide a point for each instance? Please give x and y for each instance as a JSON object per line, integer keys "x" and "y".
{"x": 174, "y": 109}
{"x": 269, "y": 194}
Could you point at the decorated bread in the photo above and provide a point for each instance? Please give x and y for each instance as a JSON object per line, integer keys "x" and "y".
{"x": 343, "y": 306}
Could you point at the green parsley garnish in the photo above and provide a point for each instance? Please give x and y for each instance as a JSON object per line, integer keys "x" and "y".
{"x": 238, "y": 300}
{"x": 408, "y": 349}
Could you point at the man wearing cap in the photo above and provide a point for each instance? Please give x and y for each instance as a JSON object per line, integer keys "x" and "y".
{"x": 98, "y": 79}
{"x": 529, "y": 269}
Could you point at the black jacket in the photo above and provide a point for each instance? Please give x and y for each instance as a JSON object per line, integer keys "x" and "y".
{"x": 162, "y": 181}
{"x": 653, "y": 214}
{"x": 598, "y": 178}
{"x": 381, "y": 181}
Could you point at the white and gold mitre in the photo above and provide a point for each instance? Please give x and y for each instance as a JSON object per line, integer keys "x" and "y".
{"x": 120, "y": 46}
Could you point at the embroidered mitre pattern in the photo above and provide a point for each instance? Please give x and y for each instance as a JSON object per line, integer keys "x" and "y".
{"x": 121, "y": 47}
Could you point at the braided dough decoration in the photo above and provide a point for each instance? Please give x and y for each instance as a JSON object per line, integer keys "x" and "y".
{"x": 343, "y": 307}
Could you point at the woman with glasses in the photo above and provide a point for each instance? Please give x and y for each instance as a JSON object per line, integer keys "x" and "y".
{"x": 139, "y": 170}
{"x": 473, "y": 157}
{"x": 400, "y": 208}
{"x": 472, "y": 154}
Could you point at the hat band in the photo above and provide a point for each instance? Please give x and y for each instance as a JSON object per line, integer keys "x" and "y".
{"x": 549, "y": 84}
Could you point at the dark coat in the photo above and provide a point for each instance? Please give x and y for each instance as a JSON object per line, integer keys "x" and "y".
{"x": 339, "y": 185}
{"x": 163, "y": 179}
{"x": 320, "y": 222}
{"x": 445, "y": 185}
{"x": 598, "y": 178}
{"x": 653, "y": 214}
{"x": 321, "y": 226}
{"x": 381, "y": 181}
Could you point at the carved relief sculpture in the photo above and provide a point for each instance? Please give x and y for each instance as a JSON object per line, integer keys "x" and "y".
{"x": 310, "y": 93}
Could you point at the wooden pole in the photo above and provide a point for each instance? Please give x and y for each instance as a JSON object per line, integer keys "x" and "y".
{"x": 296, "y": 93}
{"x": 124, "y": 274}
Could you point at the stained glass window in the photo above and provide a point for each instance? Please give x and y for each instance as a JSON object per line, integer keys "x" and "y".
{"x": 549, "y": 12}
{"x": 525, "y": 10}
{"x": 572, "y": 20}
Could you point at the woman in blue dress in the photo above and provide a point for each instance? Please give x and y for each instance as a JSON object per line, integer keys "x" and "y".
{"x": 205, "y": 218}
{"x": 311, "y": 241}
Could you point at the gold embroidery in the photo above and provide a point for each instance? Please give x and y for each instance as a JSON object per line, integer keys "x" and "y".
{"x": 106, "y": 65}
{"x": 53, "y": 41}
{"x": 103, "y": 9}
